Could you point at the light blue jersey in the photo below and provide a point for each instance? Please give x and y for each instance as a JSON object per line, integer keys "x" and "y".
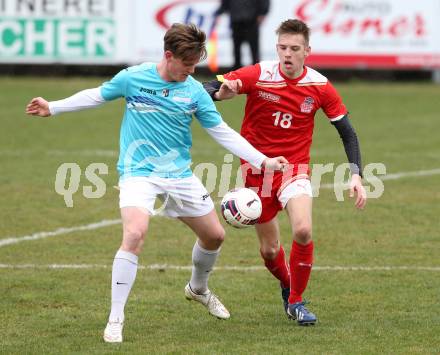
{"x": 155, "y": 137}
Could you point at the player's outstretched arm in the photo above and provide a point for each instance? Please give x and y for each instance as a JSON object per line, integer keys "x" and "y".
{"x": 81, "y": 100}
{"x": 236, "y": 144}
{"x": 38, "y": 107}
{"x": 357, "y": 187}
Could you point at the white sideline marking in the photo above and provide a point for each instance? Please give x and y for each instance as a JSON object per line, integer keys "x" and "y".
{"x": 395, "y": 176}
{"x": 221, "y": 268}
{"x": 411, "y": 174}
{"x": 105, "y": 223}
{"x": 84, "y": 152}
{"x": 59, "y": 231}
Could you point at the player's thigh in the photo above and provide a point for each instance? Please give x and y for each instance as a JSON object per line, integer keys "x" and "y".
{"x": 269, "y": 234}
{"x": 136, "y": 200}
{"x": 135, "y": 223}
{"x": 207, "y": 228}
{"x": 135, "y": 220}
{"x": 299, "y": 210}
{"x": 296, "y": 198}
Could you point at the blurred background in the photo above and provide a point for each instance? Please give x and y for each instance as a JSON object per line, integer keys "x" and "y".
{"x": 388, "y": 39}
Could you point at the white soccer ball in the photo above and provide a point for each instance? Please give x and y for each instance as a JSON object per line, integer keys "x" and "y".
{"x": 241, "y": 207}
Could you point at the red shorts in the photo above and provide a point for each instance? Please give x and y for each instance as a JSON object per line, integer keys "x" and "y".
{"x": 268, "y": 186}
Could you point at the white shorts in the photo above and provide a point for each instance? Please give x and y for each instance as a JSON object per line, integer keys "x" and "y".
{"x": 184, "y": 197}
{"x": 295, "y": 189}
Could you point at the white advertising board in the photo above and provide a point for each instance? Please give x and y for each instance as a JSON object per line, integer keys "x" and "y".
{"x": 383, "y": 33}
{"x": 345, "y": 33}
{"x": 57, "y": 31}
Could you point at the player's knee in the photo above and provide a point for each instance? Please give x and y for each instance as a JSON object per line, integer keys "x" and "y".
{"x": 303, "y": 233}
{"x": 134, "y": 234}
{"x": 269, "y": 252}
{"x": 133, "y": 239}
{"x": 217, "y": 236}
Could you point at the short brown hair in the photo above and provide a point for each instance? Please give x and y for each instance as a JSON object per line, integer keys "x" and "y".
{"x": 294, "y": 27}
{"x": 185, "y": 41}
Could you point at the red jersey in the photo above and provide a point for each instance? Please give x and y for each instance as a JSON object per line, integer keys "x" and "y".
{"x": 279, "y": 113}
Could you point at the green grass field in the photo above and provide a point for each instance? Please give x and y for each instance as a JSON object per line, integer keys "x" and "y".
{"x": 367, "y": 310}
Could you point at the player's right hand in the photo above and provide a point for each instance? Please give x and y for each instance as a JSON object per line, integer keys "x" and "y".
{"x": 38, "y": 107}
{"x": 277, "y": 163}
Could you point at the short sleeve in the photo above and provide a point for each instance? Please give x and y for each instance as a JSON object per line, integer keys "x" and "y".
{"x": 332, "y": 103}
{"x": 248, "y": 75}
{"x": 206, "y": 112}
{"x": 116, "y": 87}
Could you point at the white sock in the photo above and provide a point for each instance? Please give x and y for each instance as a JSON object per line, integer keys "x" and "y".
{"x": 123, "y": 276}
{"x": 203, "y": 262}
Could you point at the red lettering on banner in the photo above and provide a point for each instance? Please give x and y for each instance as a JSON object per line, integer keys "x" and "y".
{"x": 347, "y": 27}
{"x": 325, "y": 16}
{"x": 375, "y": 24}
{"x": 420, "y": 26}
{"x": 399, "y": 27}
{"x": 301, "y": 9}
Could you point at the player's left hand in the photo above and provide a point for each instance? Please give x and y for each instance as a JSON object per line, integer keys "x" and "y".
{"x": 361, "y": 194}
{"x": 277, "y": 163}
{"x": 229, "y": 89}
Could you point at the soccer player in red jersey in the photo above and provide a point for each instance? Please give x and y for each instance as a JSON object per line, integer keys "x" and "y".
{"x": 282, "y": 99}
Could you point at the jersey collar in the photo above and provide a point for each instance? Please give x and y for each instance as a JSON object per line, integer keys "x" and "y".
{"x": 293, "y": 81}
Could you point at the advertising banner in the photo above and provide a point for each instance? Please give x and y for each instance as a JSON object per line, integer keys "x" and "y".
{"x": 57, "y": 31}
{"x": 372, "y": 34}
{"x": 345, "y": 33}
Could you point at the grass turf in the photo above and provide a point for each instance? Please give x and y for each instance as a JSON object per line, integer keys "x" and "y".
{"x": 64, "y": 311}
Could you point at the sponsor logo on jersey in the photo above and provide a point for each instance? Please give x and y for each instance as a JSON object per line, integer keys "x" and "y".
{"x": 148, "y": 91}
{"x": 165, "y": 92}
{"x": 307, "y": 105}
{"x": 268, "y": 96}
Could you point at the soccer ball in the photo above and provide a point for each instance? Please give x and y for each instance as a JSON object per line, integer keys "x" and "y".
{"x": 241, "y": 207}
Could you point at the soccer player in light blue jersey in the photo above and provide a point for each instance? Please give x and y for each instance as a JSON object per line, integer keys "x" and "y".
{"x": 161, "y": 101}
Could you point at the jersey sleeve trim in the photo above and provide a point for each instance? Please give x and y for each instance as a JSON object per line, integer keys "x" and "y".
{"x": 337, "y": 118}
